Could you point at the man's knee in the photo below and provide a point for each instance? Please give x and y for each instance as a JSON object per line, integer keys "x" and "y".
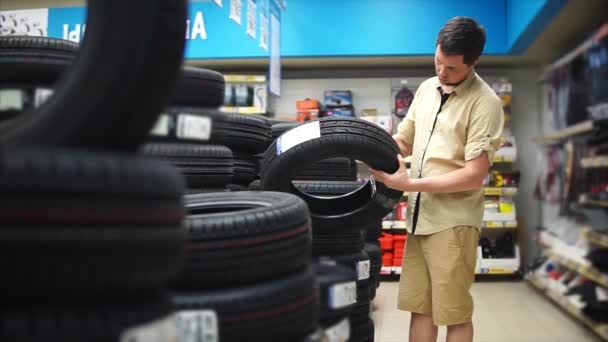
{"x": 422, "y": 319}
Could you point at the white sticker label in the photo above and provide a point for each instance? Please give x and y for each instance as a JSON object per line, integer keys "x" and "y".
{"x": 601, "y": 294}
{"x": 158, "y": 331}
{"x": 236, "y": 10}
{"x": 11, "y": 99}
{"x": 264, "y": 32}
{"x": 338, "y": 333}
{"x": 197, "y": 326}
{"x": 363, "y": 269}
{"x": 193, "y": 127}
{"x": 41, "y": 95}
{"x": 251, "y": 18}
{"x": 162, "y": 126}
{"x": 298, "y": 135}
{"x": 342, "y": 295}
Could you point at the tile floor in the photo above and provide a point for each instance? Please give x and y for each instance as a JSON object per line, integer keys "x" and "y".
{"x": 504, "y": 312}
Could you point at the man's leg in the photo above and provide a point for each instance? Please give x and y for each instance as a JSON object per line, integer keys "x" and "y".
{"x": 422, "y": 328}
{"x": 460, "y": 333}
{"x": 415, "y": 292}
{"x": 451, "y": 256}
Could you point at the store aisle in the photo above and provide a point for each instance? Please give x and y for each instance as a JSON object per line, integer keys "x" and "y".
{"x": 504, "y": 312}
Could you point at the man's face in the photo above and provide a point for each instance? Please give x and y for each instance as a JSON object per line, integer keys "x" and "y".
{"x": 451, "y": 70}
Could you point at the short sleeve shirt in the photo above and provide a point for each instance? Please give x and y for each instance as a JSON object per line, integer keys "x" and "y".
{"x": 469, "y": 123}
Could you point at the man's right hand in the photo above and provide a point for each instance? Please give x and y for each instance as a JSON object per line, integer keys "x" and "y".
{"x": 404, "y": 147}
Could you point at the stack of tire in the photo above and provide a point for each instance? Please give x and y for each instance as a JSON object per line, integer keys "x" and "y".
{"x": 214, "y": 150}
{"x": 248, "y": 261}
{"x": 339, "y": 222}
{"x": 87, "y": 245}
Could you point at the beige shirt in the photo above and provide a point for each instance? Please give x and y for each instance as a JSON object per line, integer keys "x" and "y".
{"x": 470, "y": 122}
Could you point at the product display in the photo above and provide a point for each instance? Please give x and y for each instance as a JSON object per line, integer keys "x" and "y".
{"x": 99, "y": 207}
{"x": 330, "y": 138}
{"x": 81, "y": 115}
{"x": 208, "y": 126}
{"x": 201, "y": 165}
{"x": 338, "y": 292}
{"x": 285, "y": 309}
{"x": 270, "y": 237}
{"x": 148, "y": 198}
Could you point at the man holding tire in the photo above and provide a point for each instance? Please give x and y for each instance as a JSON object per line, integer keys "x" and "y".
{"x": 452, "y": 130}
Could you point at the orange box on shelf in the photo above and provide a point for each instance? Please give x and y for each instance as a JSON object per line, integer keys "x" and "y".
{"x": 387, "y": 259}
{"x": 307, "y": 104}
{"x": 399, "y": 243}
{"x": 397, "y": 261}
{"x": 386, "y": 242}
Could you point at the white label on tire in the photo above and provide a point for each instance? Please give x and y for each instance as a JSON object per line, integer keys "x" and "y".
{"x": 193, "y": 127}
{"x": 162, "y": 126}
{"x": 338, "y": 333}
{"x": 342, "y": 295}
{"x": 363, "y": 270}
{"x": 158, "y": 331}
{"x": 298, "y": 135}
{"x": 41, "y": 95}
{"x": 11, "y": 99}
{"x": 197, "y": 326}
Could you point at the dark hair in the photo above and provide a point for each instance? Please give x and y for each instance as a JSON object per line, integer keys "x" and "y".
{"x": 462, "y": 36}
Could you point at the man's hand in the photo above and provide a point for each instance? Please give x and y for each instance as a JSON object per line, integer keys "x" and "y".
{"x": 400, "y": 180}
{"x": 405, "y": 148}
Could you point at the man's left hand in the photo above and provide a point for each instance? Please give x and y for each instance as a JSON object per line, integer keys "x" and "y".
{"x": 400, "y": 180}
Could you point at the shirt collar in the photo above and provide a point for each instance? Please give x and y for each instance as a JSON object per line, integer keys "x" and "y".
{"x": 463, "y": 87}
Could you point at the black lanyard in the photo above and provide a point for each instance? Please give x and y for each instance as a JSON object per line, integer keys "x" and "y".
{"x": 444, "y": 99}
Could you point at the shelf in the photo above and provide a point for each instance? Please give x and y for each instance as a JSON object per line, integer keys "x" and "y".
{"x": 506, "y": 191}
{"x": 595, "y": 237}
{"x": 245, "y": 78}
{"x": 583, "y": 127}
{"x": 597, "y": 203}
{"x": 503, "y": 159}
{"x": 510, "y": 224}
{"x": 389, "y": 270}
{"x": 491, "y": 216}
{"x": 503, "y": 266}
{"x": 566, "y": 305}
{"x": 387, "y": 225}
{"x": 595, "y": 162}
{"x": 572, "y": 55}
{"x": 242, "y": 110}
{"x": 585, "y": 270}
{"x": 500, "y": 224}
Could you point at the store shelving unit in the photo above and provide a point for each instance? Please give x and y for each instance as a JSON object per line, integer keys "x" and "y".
{"x": 556, "y": 297}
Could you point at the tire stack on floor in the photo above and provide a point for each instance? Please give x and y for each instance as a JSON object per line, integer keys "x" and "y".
{"x": 214, "y": 150}
{"x": 87, "y": 245}
{"x": 248, "y": 260}
{"x": 338, "y": 222}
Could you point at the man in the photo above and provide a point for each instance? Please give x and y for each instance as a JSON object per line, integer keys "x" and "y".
{"x": 452, "y": 130}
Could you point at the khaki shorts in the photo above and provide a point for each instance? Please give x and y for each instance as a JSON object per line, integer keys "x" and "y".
{"x": 437, "y": 273}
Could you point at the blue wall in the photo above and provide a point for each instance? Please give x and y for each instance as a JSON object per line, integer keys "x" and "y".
{"x": 332, "y": 28}
{"x": 520, "y": 14}
{"x": 382, "y": 27}
{"x": 526, "y": 19}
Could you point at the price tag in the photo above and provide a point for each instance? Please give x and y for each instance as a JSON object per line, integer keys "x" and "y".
{"x": 342, "y": 295}
{"x": 157, "y": 331}
{"x": 363, "y": 268}
{"x": 197, "y": 326}
{"x": 162, "y": 126}
{"x": 338, "y": 333}
{"x": 193, "y": 127}
{"x": 298, "y": 135}
{"x": 41, "y": 95}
